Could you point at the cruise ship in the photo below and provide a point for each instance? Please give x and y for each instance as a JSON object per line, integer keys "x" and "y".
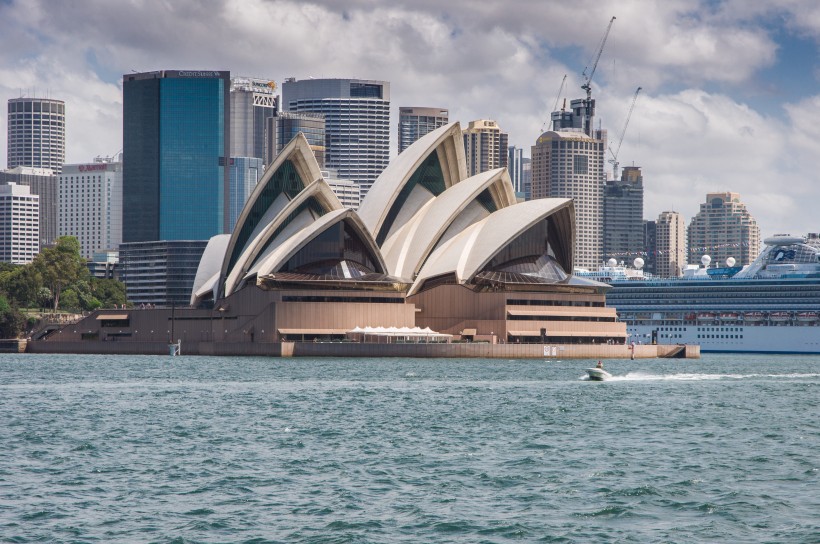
{"x": 769, "y": 306}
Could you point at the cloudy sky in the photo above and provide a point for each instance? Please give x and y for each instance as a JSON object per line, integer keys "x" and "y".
{"x": 730, "y": 99}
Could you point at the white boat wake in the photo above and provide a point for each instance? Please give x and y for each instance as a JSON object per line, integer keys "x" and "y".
{"x": 641, "y": 376}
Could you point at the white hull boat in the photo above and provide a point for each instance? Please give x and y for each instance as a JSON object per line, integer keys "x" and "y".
{"x": 598, "y": 374}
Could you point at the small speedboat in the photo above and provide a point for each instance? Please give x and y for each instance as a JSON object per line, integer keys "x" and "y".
{"x": 598, "y": 374}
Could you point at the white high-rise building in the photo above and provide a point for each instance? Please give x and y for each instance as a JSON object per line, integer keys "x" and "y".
{"x": 36, "y": 133}
{"x": 19, "y": 224}
{"x": 357, "y": 123}
{"x": 515, "y": 166}
{"x": 90, "y": 204}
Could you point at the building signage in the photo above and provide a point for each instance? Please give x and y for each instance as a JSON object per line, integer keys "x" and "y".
{"x": 100, "y": 166}
{"x": 198, "y": 73}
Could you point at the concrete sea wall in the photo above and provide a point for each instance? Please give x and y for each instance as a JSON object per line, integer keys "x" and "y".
{"x": 362, "y": 350}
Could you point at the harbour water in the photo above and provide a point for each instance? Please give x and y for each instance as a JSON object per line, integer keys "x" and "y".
{"x": 207, "y": 449}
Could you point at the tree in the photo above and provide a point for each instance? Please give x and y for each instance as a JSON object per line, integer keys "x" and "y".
{"x": 11, "y": 320}
{"x": 109, "y": 292}
{"x": 21, "y": 285}
{"x": 61, "y": 265}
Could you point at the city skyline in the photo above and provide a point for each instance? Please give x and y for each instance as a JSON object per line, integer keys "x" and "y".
{"x": 730, "y": 98}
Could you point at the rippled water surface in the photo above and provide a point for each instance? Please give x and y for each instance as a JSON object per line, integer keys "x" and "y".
{"x": 207, "y": 449}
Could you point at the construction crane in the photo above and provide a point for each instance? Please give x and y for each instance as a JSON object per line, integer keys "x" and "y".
{"x": 587, "y": 86}
{"x": 614, "y": 160}
{"x": 588, "y": 78}
{"x": 554, "y": 106}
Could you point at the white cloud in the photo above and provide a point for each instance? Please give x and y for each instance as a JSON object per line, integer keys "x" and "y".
{"x": 479, "y": 60}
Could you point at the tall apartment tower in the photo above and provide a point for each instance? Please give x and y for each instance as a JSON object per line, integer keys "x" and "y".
{"x": 357, "y": 123}
{"x": 570, "y": 164}
{"x": 670, "y": 239}
{"x": 43, "y": 183}
{"x": 36, "y": 133}
{"x": 19, "y": 224}
{"x": 252, "y": 103}
{"x": 176, "y": 142}
{"x": 90, "y": 197}
{"x": 416, "y": 122}
{"x": 623, "y": 216}
{"x": 485, "y": 146}
{"x": 724, "y": 228}
{"x": 515, "y": 166}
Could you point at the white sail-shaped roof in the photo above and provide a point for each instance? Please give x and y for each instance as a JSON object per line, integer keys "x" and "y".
{"x": 311, "y": 203}
{"x": 468, "y": 252}
{"x": 421, "y": 172}
{"x": 293, "y": 169}
{"x": 207, "y": 273}
{"x": 450, "y": 213}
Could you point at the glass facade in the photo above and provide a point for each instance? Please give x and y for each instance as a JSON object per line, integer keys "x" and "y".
{"x": 161, "y": 273}
{"x": 325, "y": 255}
{"x": 175, "y": 141}
{"x": 312, "y": 125}
{"x": 245, "y": 174}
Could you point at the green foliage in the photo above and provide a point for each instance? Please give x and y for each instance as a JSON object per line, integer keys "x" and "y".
{"x": 57, "y": 278}
{"x": 69, "y": 300}
{"x": 61, "y": 266}
{"x": 11, "y": 320}
{"x": 109, "y": 293}
{"x": 21, "y": 284}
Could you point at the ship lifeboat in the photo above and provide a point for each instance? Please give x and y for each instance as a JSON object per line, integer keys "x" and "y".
{"x": 780, "y": 316}
{"x": 807, "y": 316}
{"x": 706, "y": 316}
{"x": 753, "y": 316}
{"x": 729, "y": 316}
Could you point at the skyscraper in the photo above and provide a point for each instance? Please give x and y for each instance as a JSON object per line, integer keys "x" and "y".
{"x": 90, "y": 197}
{"x": 19, "y": 224}
{"x": 526, "y": 178}
{"x": 670, "y": 238}
{"x": 570, "y": 164}
{"x": 36, "y": 133}
{"x": 176, "y": 142}
{"x": 357, "y": 123}
{"x": 724, "y": 228}
{"x": 515, "y": 166}
{"x": 245, "y": 173}
{"x": 252, "y": 103}
{"x": 416, "y": 122}
{"x": 43, "y": 183}
{"x": 485, "y": 146}
{"x": 289, "y": 124}
{"x": 623, "y": 215}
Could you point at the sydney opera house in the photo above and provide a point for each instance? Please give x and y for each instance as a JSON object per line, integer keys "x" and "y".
{"x": 429, "y": 249}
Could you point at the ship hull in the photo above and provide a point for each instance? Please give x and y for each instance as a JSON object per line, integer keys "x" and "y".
{"x": 732, "y": 338}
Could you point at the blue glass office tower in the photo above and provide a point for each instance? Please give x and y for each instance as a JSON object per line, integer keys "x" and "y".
{"x": 175, "y": 142}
